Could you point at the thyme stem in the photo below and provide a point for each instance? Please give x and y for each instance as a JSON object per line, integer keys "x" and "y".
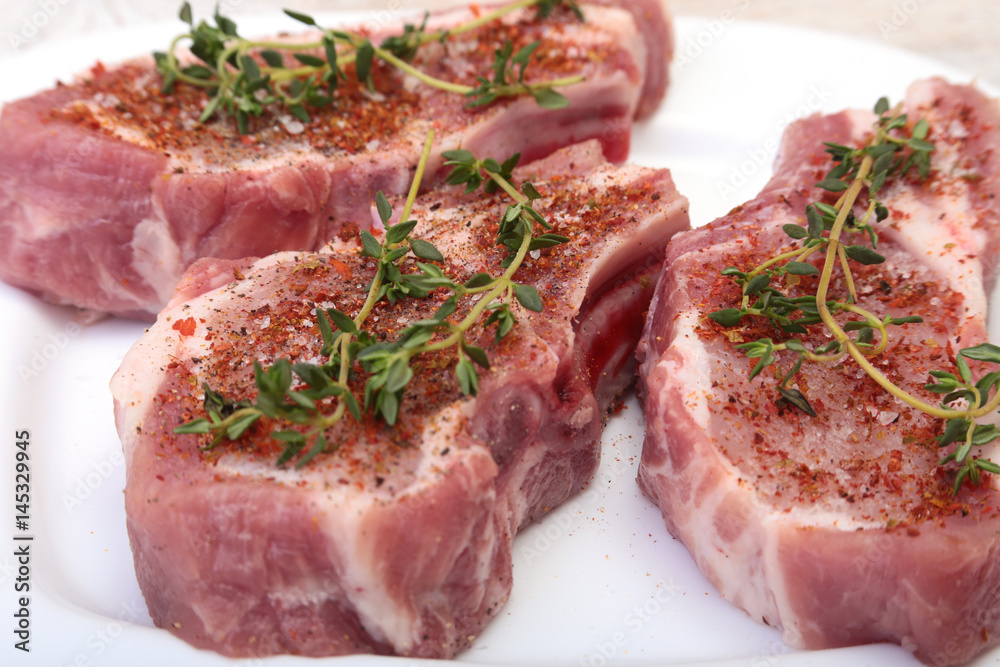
{"x": 847, "y": 201}
{"x": 477, "y": 23}
{"x": 446, "y": 86}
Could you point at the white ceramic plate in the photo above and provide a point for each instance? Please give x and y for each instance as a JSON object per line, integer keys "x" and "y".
{"x": 598, "y": 581}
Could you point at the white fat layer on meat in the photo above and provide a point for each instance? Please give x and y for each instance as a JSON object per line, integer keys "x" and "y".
{"x": 726, "y": 561}
{"x": 696, "y": 368}
{"x": 204, "y": 160}
{"x": 923, "y": 227}
{"x": 945, "y": 240}
{"x": 109, "y": 123}
{"x": 746, "y": 568}
{"x": 156, "y": 257}
{"x": 39, "y": 222}
{"x": 138, "y": 380}
{"x": 342, "y": 513}
{"x": 620, "y": 251}
{"x": 991, "y": 451}
{"x": 385, "y": 617}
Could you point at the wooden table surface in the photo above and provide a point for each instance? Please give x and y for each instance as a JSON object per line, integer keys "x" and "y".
{"x": 962, "y": 33}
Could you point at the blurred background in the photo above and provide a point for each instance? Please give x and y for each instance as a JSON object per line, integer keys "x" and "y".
{"x": 961, "y": 33}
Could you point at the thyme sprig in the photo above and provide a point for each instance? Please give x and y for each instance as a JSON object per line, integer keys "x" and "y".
{"x": 244, "y": 77}
{"x": 508, "y": 80}
{"x": 306, "y": 402}
{"x": 896, "y": 148}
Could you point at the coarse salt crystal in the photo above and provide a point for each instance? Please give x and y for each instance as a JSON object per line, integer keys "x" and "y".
{"x": 292, "y": 125}
{"x": 885, "y": 418}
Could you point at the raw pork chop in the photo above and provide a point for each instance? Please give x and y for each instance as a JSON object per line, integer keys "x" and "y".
{"x": 400, "y": 540}
{"x": 109, "y": 190}
{"x": 840, "y": 529}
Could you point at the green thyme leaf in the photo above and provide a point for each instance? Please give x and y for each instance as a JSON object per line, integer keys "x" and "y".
{"x": 863, "y": 254}
{"x": 364, "y": 57}
{"x": 963, "y": 369}
{"x": 458, "y": 156}
{"x": 468, "y": 378}
{"x": 798, "y": 399}
{"x": 425, "y": 250}
{"x": 734, "y": 272}
{"x": 388, "y": 407}
{"x": 341, "y": 321}
{"x": 547, "y": 241}
{"x": 833, "y": 185}
{"x": 545, "y": 8}
{"x": 478, "y": 280}
{"x": 954, "y": 429}
{"x": 199, "y": 425}
{"x": 727, "y": 317}
{"x": 300, "y": 112}
{"x": 815, "y": 225}
{"x": 801, "y": 269}
{"x": 909, "y": 319}
{"x": 528, "y": 297}
{"x": 757, "y": 283}
{"x": 383, "y": 207}
{"x": 399, "y": 376}
{"x": 795, "y": 231}
{"x": 398, "y": 233}
{"x": 238, "y": 427}
{"x": 982, "y": 352}
{"x": 986, "y": 384}
{"x": 370, "y": 246}
{"x": 504, "y": 319}
{"x": 529, "y": 190}
{"x": 548, "y": 98}
{"x": 318, "y": 447}
{"x": 301, "y": 18}
{"x": 985, "y": 434}
{"x": 309, "y": 60}
{"x": 272, "y": 58}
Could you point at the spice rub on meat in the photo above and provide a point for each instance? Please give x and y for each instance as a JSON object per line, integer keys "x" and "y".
{"x": 840, "y": 529}
{"x": 109, "y": 189}
{"x": 399, "y": 540}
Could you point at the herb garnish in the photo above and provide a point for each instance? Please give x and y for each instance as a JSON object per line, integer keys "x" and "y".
{"x": 894, "y": 150}
{"x": 387, "y": 363}
{"x": 245, "y": 76}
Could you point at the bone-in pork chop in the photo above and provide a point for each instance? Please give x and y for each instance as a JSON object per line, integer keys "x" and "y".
{"x": 109, "y": 189}
{"x": 840, "y": 529}
{"x": 399, "y": 541}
